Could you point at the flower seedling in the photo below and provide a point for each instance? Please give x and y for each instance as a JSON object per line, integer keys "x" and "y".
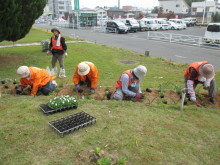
{"x": 80, "y": 91}
{"x": 148, "y": 90}
{"x": 104, "y": 161}
{"x": 6, "y": 86}
{"x": 164, "y": 101}
{"x": 3, "y": 81}
{"x": 161, "y": 95}
{"x": 62, "y": 102}
{"x": 15, "y": 81}
{"x": 57, "y": 90}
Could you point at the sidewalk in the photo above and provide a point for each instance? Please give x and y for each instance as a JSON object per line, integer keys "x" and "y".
{"x": 34, "y": 43}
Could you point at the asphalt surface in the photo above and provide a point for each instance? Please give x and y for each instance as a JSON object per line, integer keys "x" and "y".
{"x": 139, "y": 43}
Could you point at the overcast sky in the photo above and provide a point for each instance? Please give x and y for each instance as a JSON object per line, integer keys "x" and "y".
{"x": 101, "y": 3}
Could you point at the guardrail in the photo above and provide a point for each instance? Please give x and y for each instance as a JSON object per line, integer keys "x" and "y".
{"x": 177, "y": 38}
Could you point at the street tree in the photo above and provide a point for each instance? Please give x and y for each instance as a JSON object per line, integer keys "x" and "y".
{"x": 17, "y": 17}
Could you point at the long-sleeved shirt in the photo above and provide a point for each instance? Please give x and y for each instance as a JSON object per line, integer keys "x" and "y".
{"x": 125, "y": 81}
{"x": 62, "y": 42}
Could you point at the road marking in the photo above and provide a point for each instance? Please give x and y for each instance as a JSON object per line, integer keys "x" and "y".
{"x": 179, "y": 56}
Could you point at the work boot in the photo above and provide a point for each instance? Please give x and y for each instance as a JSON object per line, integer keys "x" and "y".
{"x": 62, "y": 73}
{"x": 212, "y": 100}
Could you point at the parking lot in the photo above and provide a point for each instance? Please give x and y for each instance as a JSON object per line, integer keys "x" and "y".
{"x": 139, "y": 43}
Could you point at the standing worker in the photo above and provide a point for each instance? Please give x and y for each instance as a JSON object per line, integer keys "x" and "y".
{"x": 200, "y": 73}
{"x": 86, "y": 74}
{"x": 129, "y": 83}
{"x": 58, "y": 48}
{"x": 37, "y": 78}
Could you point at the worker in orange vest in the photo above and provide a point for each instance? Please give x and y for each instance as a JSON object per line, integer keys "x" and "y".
{"x": 37, "y": 78}
{"x": 86, "y": 73}
{"x": 128, "y": 83}
{"x": 58, "y": 49}
{"x": 200, "y": 73}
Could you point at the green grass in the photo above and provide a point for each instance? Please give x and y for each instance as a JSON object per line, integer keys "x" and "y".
{"x": 158, "y": 134}
{"x": 35, "y": 35}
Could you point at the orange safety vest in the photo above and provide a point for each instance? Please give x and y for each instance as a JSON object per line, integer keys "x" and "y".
{"x": 92, "y": 75}
{"x": 54, "y": 43}
{"x": 196, "y": 66}
{"x": 129, "y": 73}
{"x": 39, "y": 77}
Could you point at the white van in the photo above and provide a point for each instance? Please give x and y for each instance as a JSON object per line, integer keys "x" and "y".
{"x": 212, "y": 34}
{"x": 180, "y": 22}
{"x": 131, "y": 23}
{"x": 150, "y": 23}
{"x": 162, "y": 24}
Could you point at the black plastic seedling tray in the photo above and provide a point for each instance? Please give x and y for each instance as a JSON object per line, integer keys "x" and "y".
{"x": 47, "y": 110}
{"x": 71, "y": 123}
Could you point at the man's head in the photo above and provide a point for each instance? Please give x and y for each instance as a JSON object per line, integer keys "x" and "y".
{"x": 83, "y": 68}
{"x": 207, "y": 71}
{"x": 140, "y": 71}
{"x": 23, "y": 71}
{"x": 55, "y": 31}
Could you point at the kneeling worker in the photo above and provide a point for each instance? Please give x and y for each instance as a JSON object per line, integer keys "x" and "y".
{"x": 200, "y": 73}
{"x": 129, "y": 83}
{"x": 86, "y": 74}
{"x": 37, "y": 78}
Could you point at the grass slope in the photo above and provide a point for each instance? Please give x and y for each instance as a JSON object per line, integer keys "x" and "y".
{"x": 142, "y": 134}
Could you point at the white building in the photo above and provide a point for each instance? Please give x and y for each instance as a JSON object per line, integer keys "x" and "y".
{"x": 59, "y": 7}
{"x": 211, "y": 7}
{"x": 101, "y": 15}
{"x": 176, "y": 6}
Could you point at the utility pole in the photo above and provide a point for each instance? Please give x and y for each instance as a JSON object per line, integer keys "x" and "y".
{"x": 118, "y": 4}
{"x": 203, "y": 18}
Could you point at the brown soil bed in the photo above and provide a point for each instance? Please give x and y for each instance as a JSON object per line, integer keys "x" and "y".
{"x": 101, "y": 92}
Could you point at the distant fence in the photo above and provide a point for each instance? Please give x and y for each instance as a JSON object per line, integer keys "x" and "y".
{"x": 177, "y": 38}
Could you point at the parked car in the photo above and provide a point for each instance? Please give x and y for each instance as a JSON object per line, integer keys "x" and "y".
{"x": 131, "y": 23}
{"x": 180, "y": 22}
{"x": 142, "y": 26}
{"x": 151, "y": 24}
{"x": 116, "y": 27}
{"x": 212, "y": 34}
{"x": 174, "y": 26}
{"x": 161, "y": 23}
{"x": 190, "y": 21}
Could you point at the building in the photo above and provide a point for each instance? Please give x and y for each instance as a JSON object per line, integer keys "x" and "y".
{"x": 101, "y": 15}
{"x": 60, "y": 7}
{"x": 211, "y": 7}
{"x": 127, "y": 7}
{"x": 179, "y": 7}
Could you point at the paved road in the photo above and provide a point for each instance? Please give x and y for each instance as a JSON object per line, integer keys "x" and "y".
{"x": 138, "y": 42}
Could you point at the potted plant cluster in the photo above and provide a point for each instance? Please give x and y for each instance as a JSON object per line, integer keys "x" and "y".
{"x": 62, "y": 102}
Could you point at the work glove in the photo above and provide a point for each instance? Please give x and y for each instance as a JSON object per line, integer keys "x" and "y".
{"x": 49, "y": 53}
{"x": 65, "y": 54}
{"x": 92, "y": 90}
{"x": 192, "y": 98}
{"x": 77, "y": 86}
{"x": 206, "y": 84}
{"x": 139, "y": 96}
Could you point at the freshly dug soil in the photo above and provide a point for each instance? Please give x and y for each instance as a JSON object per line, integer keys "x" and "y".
{"x": 101, "y": 93}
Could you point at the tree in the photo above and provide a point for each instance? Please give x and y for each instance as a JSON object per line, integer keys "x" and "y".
{"x": 18, "y": 16}
{"x": 216, "y": 17}
{"x": 155, "y": 10}
{"x": 189, "y": 2}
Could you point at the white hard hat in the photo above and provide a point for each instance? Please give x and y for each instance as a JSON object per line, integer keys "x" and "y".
{"x": 140, "y": 71}
{"x": 83, "y": 68}
{"x": 23, "y": 71}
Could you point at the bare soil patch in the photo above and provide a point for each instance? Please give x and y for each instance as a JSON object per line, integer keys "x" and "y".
{"x": 128, "y": 62}
{"x": 105, "y": 93}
